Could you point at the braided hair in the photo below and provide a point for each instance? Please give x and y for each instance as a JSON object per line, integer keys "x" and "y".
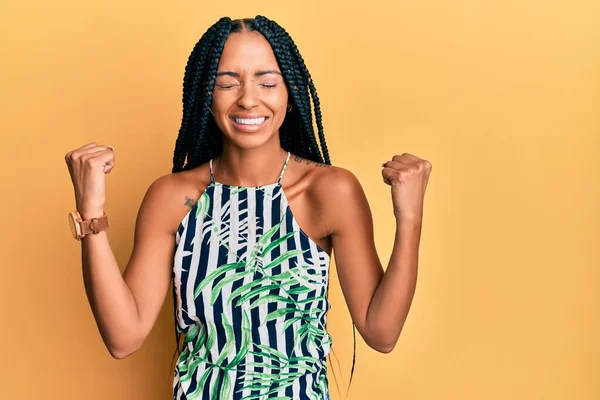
{"x": 199, "y": 137}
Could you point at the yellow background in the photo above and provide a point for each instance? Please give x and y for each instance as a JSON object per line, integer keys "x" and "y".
{"x": 501, "y": 97}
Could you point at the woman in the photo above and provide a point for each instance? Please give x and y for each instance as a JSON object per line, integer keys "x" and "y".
{"x": 249, "y": 284}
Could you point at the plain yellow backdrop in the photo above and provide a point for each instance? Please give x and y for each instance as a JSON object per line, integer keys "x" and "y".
{"x": 501, "y": 97}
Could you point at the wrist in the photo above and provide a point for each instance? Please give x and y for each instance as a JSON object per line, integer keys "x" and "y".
{"x": 409, "y": 221}
{"x": 89, "y": 214}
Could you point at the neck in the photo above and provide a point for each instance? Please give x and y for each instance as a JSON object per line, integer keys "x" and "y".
{"x": 249, "y": 167}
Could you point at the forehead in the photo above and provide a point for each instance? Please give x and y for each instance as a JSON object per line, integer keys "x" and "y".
{"x": 247, "y": 51}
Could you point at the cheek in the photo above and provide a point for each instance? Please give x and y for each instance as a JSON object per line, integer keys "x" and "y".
{"x": 220, "y": 104}
{"x": 277, "y": 100}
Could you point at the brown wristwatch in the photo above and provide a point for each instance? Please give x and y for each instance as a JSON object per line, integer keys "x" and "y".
{"x": 80, "y": 228}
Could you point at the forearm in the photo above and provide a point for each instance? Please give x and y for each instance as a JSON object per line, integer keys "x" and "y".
{"x": 391, "y": 300}
{"x": 111, "y": 300}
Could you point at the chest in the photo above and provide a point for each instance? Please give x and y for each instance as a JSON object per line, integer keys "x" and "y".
{"x": 238, "y": 244}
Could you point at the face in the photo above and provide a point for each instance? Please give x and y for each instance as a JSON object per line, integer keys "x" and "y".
{"x": 250, "y": 98}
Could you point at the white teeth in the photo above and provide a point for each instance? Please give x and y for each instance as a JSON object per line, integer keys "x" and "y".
{"x": 251, "y": 121}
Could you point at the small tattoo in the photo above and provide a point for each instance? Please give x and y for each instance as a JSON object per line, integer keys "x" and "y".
{"x": 190, "y": 202}
{"x": 308, "y": 162}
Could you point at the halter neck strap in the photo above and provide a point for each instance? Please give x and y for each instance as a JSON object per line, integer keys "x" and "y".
{"x": 212, "y": 176}
{"x": 284, "y": 167}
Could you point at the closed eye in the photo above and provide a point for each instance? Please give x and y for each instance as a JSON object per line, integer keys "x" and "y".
{"x": 265, "y": 85}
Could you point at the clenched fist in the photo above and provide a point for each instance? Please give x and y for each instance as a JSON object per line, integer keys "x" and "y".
{"x": 408, "y": 175}
{"x": 87, "y": 167}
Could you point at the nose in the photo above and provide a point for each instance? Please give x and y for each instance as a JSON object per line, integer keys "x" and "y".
{"x": 248, "y": 98}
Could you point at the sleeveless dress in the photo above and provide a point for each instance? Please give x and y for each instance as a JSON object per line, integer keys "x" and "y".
{"x": 250, "y": 293}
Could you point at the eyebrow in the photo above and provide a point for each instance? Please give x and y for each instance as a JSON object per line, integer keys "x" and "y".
{"x": 258, "y": 73}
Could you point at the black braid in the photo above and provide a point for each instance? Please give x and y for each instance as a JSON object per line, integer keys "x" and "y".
{"x": 194, "y": 70}
{"x": 199, "y": 137}
{"x": 313, "y": 92}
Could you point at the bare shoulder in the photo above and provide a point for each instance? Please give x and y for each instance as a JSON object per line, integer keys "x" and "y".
{"x": 331, "y": 184}
{"x": 170, "y": 197}
{"x": 331, "y": 189}
{"x": 322, "y": 175}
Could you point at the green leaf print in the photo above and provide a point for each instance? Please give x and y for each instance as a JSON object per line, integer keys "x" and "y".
{"x": 222, "y": 229}
{"x": 245, "y": 341}
{"x": 215, "y": 388}
{"x": 276, "y": 243}
{"x": 255, "y": 292}
{"x": 226, "y": 388}
{"x": 245, "y": 288}
{"x": 219, "y": 366}
{"x": 290, "y": 322}
{"x": 280, "y": 313}
{"x": 203, "y": 206}
{"x": 269, "y": 298}
{"x": 191, "y": 334}
{"x": 230, "y": 345}
{"x": 211, "y": 277}
{"x": 200, "y": 387}
{"x": 262, "y": 242}
{"x": 274, "y": 382}
{"x": 216, "y": 291}
{"x": 285, "y": 256}
{"x": 280, "y": 370}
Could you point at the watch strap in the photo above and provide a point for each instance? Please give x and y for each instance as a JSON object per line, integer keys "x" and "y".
{"x": 94, "y": 225}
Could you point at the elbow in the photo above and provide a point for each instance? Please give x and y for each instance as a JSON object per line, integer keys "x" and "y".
{"x": 382, "y": 340}
{"x": 117, "y": 355}
{"x": 386, "y": 349}
{"x": 121, "y": 353}
{"x": 383, "y": 345}
{"x": 124, "y": 350}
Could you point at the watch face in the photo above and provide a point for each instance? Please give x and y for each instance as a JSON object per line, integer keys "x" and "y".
{"x": 74, "y": 225}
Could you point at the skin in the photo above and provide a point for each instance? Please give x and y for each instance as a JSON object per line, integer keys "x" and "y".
{"x": 328, "y": 202}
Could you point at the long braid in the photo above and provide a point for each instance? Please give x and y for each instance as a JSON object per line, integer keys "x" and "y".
{"x": 283, "y": 46}
{"x": 315, "y": 97}
{"x": 300, "y": 70}
{"x": 191, "y": 81}
{"x": 290, "y": 133}
{"x": 203, "y": 115}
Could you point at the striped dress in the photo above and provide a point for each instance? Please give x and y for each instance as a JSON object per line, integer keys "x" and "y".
{"x": 250, "y": 293}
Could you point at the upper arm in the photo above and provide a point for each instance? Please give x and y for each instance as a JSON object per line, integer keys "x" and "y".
{"x": 351, "y": 225}
{"x": 148, "y": 272}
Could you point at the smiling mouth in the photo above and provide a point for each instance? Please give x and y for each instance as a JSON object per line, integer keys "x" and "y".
{"x": 249, "y": 121}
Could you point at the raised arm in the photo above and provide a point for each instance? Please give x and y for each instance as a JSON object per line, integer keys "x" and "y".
{"x": 125, "y": 306}
{"x": 378, "y": 302}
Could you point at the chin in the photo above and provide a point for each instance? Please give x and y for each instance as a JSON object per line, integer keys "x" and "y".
{"x": 249, "y": 140}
